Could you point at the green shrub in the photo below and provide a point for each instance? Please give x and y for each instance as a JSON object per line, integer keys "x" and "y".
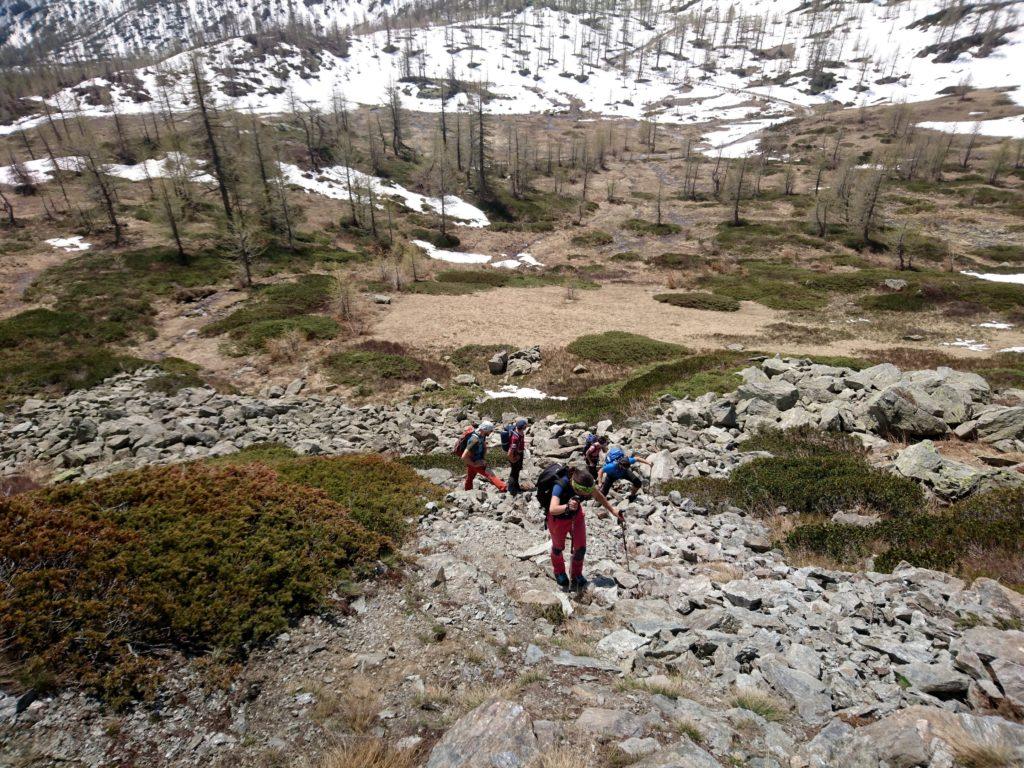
{"x": 39, "y": 324}
{"x": 381, "y": 495}
{"x": 626, "y": 256}
{"x": 823, "y": 484}
{"x": 275, "y": 302}
{"x": 1014, "y": 254}
{"x": 622, "y": 348}
{"x": 775, "y": 294}
{"x": 902, "y": 301}
{"x": 374, "y": 365}
{"x": 57, "y": 369}
{"x": 642, "y": 227}
{"x": 447, "y": 460}
{"x": 310, "y": 327}
{"x": 103, "y": 576}
{"x": 593, "y": 238}
{"x": 696, "y": 300}
{"x": 676, "y": 261}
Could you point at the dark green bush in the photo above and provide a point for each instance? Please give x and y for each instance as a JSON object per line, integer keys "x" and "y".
{"x": 697, "y": 300}
{"x": 622, "y": 348}
{"x": 275, "y": 302}
{"x": 104, "y": 576}
{"x": 903, "y": 301}
{"x": 36, "y": 324}
{"x": 592, "y": 238}
{"x": 643, "y": 227}
{"x": 823, "y": 484}
{"x": 676, "y": 261}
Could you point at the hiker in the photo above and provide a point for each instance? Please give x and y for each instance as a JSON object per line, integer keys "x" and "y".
{"x": 592, "y": 455}
{"x": 516, "y": 453}
{"x": 568, "y": 489}
{"x": 618, "y": 466}
{"x": 474, "y": 456}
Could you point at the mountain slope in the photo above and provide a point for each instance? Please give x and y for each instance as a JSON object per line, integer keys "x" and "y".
{"x": 96, "y": 29}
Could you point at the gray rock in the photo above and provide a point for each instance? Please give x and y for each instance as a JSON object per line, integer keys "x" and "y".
{"x": 895, "y": 284}
{"x": 949, "y": 479}
{"x": 429, "y": 385}
{"x": 620, "y": 644}
{"x": 495, "y": 734}
{"x": 1001, "y": 423}
{"x": 380, "y": 298}
{"x": 465, "y": 379}
{"x": 939, "y": 680}
{"x": 903, "y": 411}
{"x": 686, "y": 754}
{"x": 852, "y": 518}
{"x": 616, "y": 723}
{"x": 808, "y": 695}
{"x": 779, "y": 394}
{"x": 498, "y": 363}
{"x": 638, "y": 747}
{"x": 745, "y": 594}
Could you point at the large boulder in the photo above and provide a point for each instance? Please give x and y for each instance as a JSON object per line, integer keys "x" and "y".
{"x": 875, "y": 377}
{"x": 497, "y": 733}
{"x": 498, "y": 363}
{"x": 991, "y": 601}
{"x": 780, "y": 394}
{"x": 808, "y": 695}
{"x": 683, "y": 755}
{"x": 949, "y": 479}
{"x": 1001, "y": 423}
{"x": 987, "y": 653}
{"x": 906, "y": 411}
{"x": 913, "y": 736}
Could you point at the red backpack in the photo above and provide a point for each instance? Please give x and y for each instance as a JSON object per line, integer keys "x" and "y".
{"x": 460, "y": 444}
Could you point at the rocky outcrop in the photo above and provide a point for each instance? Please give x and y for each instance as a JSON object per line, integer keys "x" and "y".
{"x": 497, "y": 733}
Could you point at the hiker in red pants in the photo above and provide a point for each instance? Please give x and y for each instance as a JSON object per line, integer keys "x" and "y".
{"x": 566, "y": 518}
{"x": 475, "y": 458}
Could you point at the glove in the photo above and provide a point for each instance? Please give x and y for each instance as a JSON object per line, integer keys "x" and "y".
{"x": 573, "y": 505}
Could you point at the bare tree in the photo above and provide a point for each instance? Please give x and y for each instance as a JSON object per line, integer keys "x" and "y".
{"x": 869, "y": 189}
{"x": 734, "y": 188}
{"x": 972, "y": 140}
{"x": 997, "y": 162}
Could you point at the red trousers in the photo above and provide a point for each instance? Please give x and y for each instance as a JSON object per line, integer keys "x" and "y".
{"x": 486, "y": 473}
{"x": 576, "y": 527}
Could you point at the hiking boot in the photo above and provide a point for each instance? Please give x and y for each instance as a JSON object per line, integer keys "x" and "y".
{"x": 562, "y": 580}
{"x": 579, "y": 583}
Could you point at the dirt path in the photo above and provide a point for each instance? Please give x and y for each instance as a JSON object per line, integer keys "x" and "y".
{"x": 17, "y": 273}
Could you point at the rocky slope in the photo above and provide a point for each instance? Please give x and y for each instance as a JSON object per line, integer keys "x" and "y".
{"x": 704, "y": 648}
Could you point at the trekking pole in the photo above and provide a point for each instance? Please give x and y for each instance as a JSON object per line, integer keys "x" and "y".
{"x": 625, "y": 545}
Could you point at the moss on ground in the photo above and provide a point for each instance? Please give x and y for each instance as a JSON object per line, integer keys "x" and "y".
{"x": 697, "y": 300}
{"x": 622, "y": 348}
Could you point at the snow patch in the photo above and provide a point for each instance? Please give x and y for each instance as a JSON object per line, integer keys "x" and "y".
{"x": 995, "y": 278}
{"x": 39, "y": 171}
{"x": 972, "y": 344}
{"x": 996, "y": 325}
{"x": 527, "y": 393}
{"x": 521, "y": 259}
{"x": 337, "y": 181}
{"x": 455, "y": 257}
{"x": 76, "y": 243}
{"x": 1003, "y": 126}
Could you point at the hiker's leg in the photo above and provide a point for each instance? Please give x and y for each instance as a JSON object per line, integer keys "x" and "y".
{"x": 470, "y": 475}
{"x": 607, "y": 485}
{"x": 513, "y": 477}
{"x": 579, "y": 543}
{"x": 558, "y": 530}
{"x": 637, "y": 484}
{"x": 493, "y": 479}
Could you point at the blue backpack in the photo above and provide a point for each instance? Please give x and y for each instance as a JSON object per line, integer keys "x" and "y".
{"x": 506, "y": 436}
{"x": 615, "y": 455}
{"x": 589, "y": 440}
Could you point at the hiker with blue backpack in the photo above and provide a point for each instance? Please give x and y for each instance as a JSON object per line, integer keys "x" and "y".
{"x": 472, "y": 448}
{"x": 619, "y": 466}
{"x": 561, "y": 492}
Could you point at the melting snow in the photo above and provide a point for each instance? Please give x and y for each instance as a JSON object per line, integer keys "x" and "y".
{"x": 527, "y": 393}
{"x": 455, "y": 257}
{"x": 996, "y": 325}
{"x": 1013, "y": 349}
{"x": 1018, "y": 278}
{"x": 521, "y": 259}
{"x": 173, "y": 163}
{"x": 40, "y": 171}
{"x": 972, "y": 344}
{"x": 1004, "y": 126}
{"x": 76, "y": 243}
{"x": 334, "y": 182}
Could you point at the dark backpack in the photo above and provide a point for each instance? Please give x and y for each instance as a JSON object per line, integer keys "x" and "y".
{"x": 460, "y": 444}
{"x": 550, "y": 476}
{"x": 506, "y": 436}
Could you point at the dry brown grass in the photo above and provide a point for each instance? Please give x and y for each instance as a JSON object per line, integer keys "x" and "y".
{"x": 760, "y": 703}
{"x": 971, "y": 753}
{"x": 286, "y": 348}
{"x": 562, "y": 757}
{"x": 358, "y": 705}
{"x": 471, "y": 697}
{"x": 368, "y": 753}
{"x": 575, "y": 637}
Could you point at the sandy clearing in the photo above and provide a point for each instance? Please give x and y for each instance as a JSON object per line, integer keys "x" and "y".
{"x": 527, "y": 316}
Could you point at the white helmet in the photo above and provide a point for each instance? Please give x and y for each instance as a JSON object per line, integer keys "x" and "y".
{"x": 486, "y": 426}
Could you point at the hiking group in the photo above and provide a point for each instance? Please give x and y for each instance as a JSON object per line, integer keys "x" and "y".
{"x": 560, "y": 490}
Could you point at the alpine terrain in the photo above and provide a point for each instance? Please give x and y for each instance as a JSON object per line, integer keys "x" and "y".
{"x": 445, "y": 384}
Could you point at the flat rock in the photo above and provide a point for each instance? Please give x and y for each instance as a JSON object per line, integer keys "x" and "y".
{"x": 497, "y": 733}
{"x": 939, "y": 680}
{"x": 617, "y": 723}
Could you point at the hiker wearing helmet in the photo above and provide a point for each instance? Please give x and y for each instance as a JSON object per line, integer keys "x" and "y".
{"x": 592, "y": 456}
{"x": 618, "y": 466}
{"x": 516, "y": 453}
{"x": 475, "y": 457}
{"x": 566, "y": 518}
